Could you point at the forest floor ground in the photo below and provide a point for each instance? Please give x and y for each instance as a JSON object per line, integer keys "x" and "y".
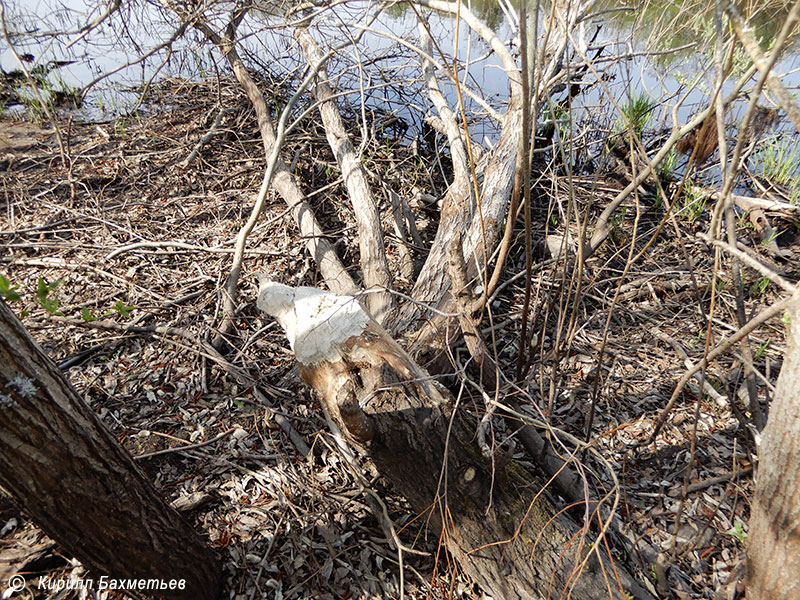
{"x": 137, "y": 239}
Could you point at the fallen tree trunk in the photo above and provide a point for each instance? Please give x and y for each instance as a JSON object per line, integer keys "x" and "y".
{"x": 490, "y": 513}
{"x": 65, "y": 470}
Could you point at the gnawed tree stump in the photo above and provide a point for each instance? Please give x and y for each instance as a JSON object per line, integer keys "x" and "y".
{"x": 511, "y": 539}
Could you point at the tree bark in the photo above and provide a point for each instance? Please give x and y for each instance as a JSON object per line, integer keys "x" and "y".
{"x": 490, "y": 513}
{"x": 774, "y": 536}
{"x": 319, "y": 248}
{"x": 65, "y": 470}
{"x": 374, "y": 265}
{"x": 460, "y": 212}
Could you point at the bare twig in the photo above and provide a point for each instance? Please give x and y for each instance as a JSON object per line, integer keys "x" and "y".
{"x": 182, "y": 246}
{"x": 764, "y": 316}
{"x": 602, "y": 228}
{"x": 86, "y": 29}
{"x": 204, "y": 349}
{"x": 744, "y": 32}
{"x": 749, "y": 203}
{"x": 750, "y": 262}
{"x": 707, "y": 483}
{"x": 188, "y": 446}
{"x": 44, "y": 105}
{"x": 179, "y": 31}
{"x": 205, "y": 139}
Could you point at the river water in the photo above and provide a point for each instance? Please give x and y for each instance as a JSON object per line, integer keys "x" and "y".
{"x": 666, "y": 46}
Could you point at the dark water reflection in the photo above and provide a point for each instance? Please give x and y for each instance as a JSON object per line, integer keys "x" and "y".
{"x": 680, "y": 34}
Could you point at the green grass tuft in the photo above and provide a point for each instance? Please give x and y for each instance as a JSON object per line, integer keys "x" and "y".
{"x": 778, "y": 161}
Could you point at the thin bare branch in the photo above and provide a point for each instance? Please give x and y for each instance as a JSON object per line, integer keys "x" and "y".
{"x": 372, "y": 252}
{"x": 764, "y": 316}
{"x": 764, "y": 63}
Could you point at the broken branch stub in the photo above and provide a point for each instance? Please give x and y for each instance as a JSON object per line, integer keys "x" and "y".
{"x": 511, "y": 539}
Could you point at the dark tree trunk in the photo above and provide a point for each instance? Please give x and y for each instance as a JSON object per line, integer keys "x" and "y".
{"x": 64, "y": 468}
{"x": 774, "y": 536}
{"x": 510, "y": 539}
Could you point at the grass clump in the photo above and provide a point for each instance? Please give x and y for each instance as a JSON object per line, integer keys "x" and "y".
{"x": 694, "y": 203}
{"x": 636, "y": 113}
{"x": 631, "y": 123}
{"x": 778, "y": 162}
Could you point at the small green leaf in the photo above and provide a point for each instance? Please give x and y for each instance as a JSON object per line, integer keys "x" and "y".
{"x": 738, "y": 532}
{"x": 8, "y": 292}
{"x": 43, "y": 290}
{"x": 87, "y": 315}
{"x": 123, "y": 309}
{"x": 51, "y": 305}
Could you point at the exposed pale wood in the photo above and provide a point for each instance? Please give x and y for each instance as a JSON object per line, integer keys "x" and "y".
{"x": 749, "y": 203}
{"x": 63, "y": 467}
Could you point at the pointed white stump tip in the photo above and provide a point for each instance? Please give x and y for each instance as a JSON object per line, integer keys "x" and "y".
{"x": 316, "y": 322}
